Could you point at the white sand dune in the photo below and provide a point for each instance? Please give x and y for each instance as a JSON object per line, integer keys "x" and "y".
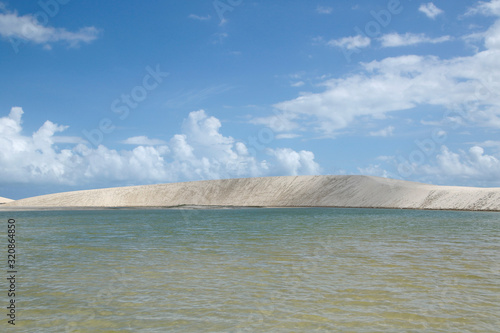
{"x": 290, "y": 191}
{"x": 5, "y": 200}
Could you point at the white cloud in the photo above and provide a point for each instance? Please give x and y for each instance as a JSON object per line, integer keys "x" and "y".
{"x": 280, "y": 123}
{"x": 490, "y": 143}
{"x": 468, "y": 84}
{"x": 385, "y": 132}
{"x": 27, "y": 28}
{"x": 68, "y": 139}
{"x": 376, "y": 170}
{"x": 486, "y": 8}
{"x": 287, "y": 136}
{"x": 290, "y": 162}
{"x": 199, "y": 18}
{"x": 395, "y": 39}
{"x": 104, "y": 165}
{"x": 324, "y": 10}
{"x": 297, "y": 75}
{"x": 201, "y": 151}
{"x": 143, "y": 141}
{"x": 492, "y": 37}
{"x": 430, "y": 10}
{"x": 297, "y": 84}
{"x": 350, "y": 43}
{"x": 469, "y": 166}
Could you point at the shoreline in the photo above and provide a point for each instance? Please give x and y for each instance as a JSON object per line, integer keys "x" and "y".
{"x": 217, "y": 207}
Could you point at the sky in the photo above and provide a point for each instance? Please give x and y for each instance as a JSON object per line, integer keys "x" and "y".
{"x": 97, "y": 94}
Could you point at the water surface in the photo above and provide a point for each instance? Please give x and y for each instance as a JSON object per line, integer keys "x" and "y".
{"x": 257, "y": 270}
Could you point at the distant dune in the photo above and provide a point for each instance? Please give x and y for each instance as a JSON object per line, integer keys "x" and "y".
{"x": 5, "y": 200}
{"x": 290, "y": 191}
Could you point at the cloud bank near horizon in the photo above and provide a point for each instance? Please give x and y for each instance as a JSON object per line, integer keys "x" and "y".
{"x": 201, "y": 151}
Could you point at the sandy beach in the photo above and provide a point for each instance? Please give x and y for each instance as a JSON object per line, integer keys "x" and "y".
{"x": 288, "y": 191}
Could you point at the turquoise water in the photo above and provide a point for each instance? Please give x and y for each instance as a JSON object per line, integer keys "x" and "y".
{"x": 255, "y": 270}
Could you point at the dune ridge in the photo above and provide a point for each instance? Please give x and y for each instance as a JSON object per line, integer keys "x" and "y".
{"x": 5, "y": 200}
{"x": 284, "y": 191}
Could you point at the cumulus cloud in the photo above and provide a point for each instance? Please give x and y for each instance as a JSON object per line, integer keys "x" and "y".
{"x": 200, "y": 151}
{"x": 290, "y": 162}
{"x": 27, "y": 28}
{"x": 395, "y": 39}
{"x": 430, "y": 10}
{"x": 473, "y": 165}
{"x": 468, "y": 83}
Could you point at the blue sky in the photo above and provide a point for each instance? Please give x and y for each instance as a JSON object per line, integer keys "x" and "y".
{"x": 97, "y": 93}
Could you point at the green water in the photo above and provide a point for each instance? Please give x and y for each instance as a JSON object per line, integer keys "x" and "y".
{"x": 255, "y": 270}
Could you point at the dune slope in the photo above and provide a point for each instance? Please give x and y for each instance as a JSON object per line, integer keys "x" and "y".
{"x": 5, "y": 200}
{"x": 290, "y": 191}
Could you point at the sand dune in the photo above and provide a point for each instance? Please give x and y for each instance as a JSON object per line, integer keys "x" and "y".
{"x": 290, "y": 191}
{"x": 5, "y": 200}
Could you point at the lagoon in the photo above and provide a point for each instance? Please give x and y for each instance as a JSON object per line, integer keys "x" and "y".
{"x": 256, "y": 270}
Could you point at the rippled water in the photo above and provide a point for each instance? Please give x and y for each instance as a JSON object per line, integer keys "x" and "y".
{"x": 256, "y": 270}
